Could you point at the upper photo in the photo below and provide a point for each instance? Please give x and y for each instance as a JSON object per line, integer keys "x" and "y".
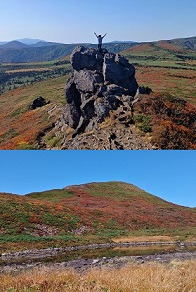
{"x": 107, "y": 75}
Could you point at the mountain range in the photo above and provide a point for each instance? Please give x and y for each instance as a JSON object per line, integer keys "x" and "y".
{"x": 16, "y": 44}
{"x": 27, "y": 50}
{"x": 34, "y": 43}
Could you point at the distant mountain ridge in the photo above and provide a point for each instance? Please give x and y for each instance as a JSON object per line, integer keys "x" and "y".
{"x": 45, "y": 44}
{"x": 14, "y": 45}
{"x": 32, "y": 51}
{"x": 25, "y": 41}
{"x": 45, "y": 51}
{"x": 35, "y": 42}
{"x": 28, "y": 41}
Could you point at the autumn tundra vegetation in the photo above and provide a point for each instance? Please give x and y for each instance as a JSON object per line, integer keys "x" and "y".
{"x": 91, "y": 213}
{"x": 162, "y": 120}
{"x": 95, "y": 213}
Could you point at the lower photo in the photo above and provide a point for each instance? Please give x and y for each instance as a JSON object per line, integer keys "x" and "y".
{"x": 97, "y": 221}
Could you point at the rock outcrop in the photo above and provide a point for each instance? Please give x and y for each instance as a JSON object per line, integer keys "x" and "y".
{"x": 100, "y": 82}
{"x": 100, "y": 95}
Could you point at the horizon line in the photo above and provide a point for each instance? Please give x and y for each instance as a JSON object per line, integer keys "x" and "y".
{"x": 70, "y": 43}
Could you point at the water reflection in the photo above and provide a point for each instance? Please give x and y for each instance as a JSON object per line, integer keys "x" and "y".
{"x": 121, "y": 251}
{"x": 109, "y": 252}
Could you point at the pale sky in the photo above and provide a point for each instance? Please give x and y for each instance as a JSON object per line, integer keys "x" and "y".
{"x": 73, "y": 21}
{"x": 167, "y": 174}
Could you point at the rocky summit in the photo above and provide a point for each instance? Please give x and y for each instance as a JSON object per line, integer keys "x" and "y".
{"x": 102, "y": 88}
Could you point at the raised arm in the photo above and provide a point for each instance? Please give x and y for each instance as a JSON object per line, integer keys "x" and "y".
{"x": 96, "y": 34}
{"x": 104, "y": 35}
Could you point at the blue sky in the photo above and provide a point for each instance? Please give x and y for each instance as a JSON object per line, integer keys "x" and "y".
{"x": 168, "y": 174}
{"x": 71, "y": 21}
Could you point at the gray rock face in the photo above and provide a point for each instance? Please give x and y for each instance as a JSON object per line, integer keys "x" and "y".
{"x": 84, "y": 80}
{"x": 99, "y": 83}
{"x": 86, "y": 58}
{"x": 116, "y": 68}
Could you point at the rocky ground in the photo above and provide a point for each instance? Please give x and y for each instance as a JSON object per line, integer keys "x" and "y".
{"x": 82, "y": 264}
{"x": 115, "y": 136}
{"x": 118, "y": 262}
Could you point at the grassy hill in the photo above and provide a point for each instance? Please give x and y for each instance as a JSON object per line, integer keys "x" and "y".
{"x": 169, "y": 54}
{"x": 94, "y": 212}
{"x": 187, "y": 43}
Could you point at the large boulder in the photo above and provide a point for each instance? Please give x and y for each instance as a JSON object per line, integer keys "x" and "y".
{"x": 99, "y": 83}
{"x": 38, "y": 102}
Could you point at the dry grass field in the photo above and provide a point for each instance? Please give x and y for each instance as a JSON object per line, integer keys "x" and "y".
{"x": 153, "y": 277}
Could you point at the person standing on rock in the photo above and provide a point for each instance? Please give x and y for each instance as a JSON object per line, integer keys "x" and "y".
{"x": 100, "y": 38}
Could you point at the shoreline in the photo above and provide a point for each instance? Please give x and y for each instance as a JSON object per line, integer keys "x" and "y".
{"x": 83, "y": 264}
{"x": 29, "y": 259}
